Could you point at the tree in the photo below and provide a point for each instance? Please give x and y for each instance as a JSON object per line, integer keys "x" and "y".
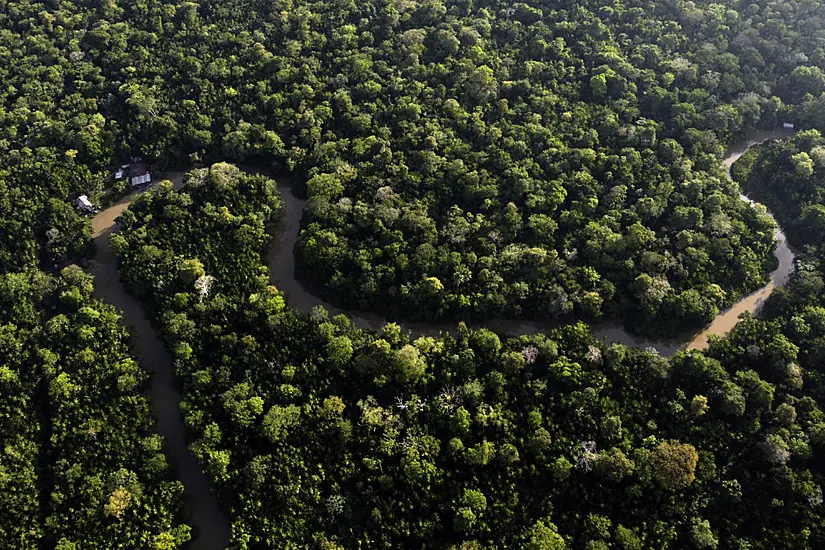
{"x": 409, "y": 365}
{"x": 674, "y": 464}
{"x": 481, "y": 85}
{"x": 119, "y": 501}
{"x": 242, "y": 404}
{"x": 614, "y": 465}
{"x": 699, "y": 405}
{"x": 278, "y": 421}
{"x": 703, "y": 537}
{"x": 471, "y": 505}
{"x": 543, "y": 535}
{"x": 626, "y": 539}
{"x": 191, "y": 269}
{"x": 339, "y": 349}
{"x": 803, "y": 164}
{"x": 326, "y": 186}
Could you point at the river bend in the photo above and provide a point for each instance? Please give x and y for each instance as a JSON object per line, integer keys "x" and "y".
{"x": 281, "y": 264}
{"x": 212, "y": 527}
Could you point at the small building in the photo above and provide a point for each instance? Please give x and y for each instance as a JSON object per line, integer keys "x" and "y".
{"x": 119, "y": 174}
{"x": 787, "y": 125}
{"x": 142, "y": 179}
{"x": 139, "y": 174}
{"x": 83, "y": 203}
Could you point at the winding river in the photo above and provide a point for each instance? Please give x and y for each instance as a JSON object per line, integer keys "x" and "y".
{"x": 281, "y": 264}
{"x": 212, "y": 527}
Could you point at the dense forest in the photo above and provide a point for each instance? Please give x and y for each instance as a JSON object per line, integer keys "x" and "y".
{"x": 81, "y": 466}
{"x": 789, "y": 177}
{"x": 462, "y": 160}
{"x": 316, "y": 431}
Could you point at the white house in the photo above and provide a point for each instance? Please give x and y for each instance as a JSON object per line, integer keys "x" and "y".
{"x": 83, "y": 203}
{"x": 119, "y": 174}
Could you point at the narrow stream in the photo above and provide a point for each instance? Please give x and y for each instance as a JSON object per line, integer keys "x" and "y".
{"x": 212, "y": 527}
{"x": 281, "y": 264}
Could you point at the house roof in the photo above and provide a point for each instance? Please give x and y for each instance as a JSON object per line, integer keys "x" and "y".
{"x": 140, "y": 180}
{"x": 84, "y": 202}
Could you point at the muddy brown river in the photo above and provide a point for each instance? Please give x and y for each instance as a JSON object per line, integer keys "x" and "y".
{"x": 282, "y": 273}
{"x": 212, "y": 527}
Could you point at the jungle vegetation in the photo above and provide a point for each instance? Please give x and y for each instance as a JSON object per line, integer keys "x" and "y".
{"x": 319, "y": 433}
{"x": 81, "y": 465}
{"x": 462, "y": 159}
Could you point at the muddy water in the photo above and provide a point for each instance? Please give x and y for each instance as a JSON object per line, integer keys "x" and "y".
{"x": 201, "y": 510}
{"x": 281, "y": 264}
{"x": 726, "y": 320}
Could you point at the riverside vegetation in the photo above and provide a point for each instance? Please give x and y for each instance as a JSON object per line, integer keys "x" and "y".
{"x": 462, "y": 160}
{"x": 81, "y": 466}
{"x": 317, "y": 432}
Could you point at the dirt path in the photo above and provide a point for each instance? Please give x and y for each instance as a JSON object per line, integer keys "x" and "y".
{"x": 202, "y": 511}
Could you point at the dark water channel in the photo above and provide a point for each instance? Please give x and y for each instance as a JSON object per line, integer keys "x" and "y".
{"x": 282, "y": 273}
{"x": 212, "y": 527}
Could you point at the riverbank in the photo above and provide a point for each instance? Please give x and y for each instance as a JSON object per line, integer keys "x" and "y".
{"x": 281, "y": 263}
{"x": 211, "y": 526}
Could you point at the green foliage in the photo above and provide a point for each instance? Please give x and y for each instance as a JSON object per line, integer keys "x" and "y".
{"x": 674, "y": 464}
{"x": 279, "y": 420}
{"x": 80, "y": 463}
{"x": 529, "y": 159}
{"x": 543, "y": 536}
{"x": 367, "y": 438}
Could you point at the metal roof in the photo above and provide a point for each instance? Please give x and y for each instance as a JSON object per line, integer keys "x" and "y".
{"x": 140, "y": 180}
{"x": 84, "y": 202}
